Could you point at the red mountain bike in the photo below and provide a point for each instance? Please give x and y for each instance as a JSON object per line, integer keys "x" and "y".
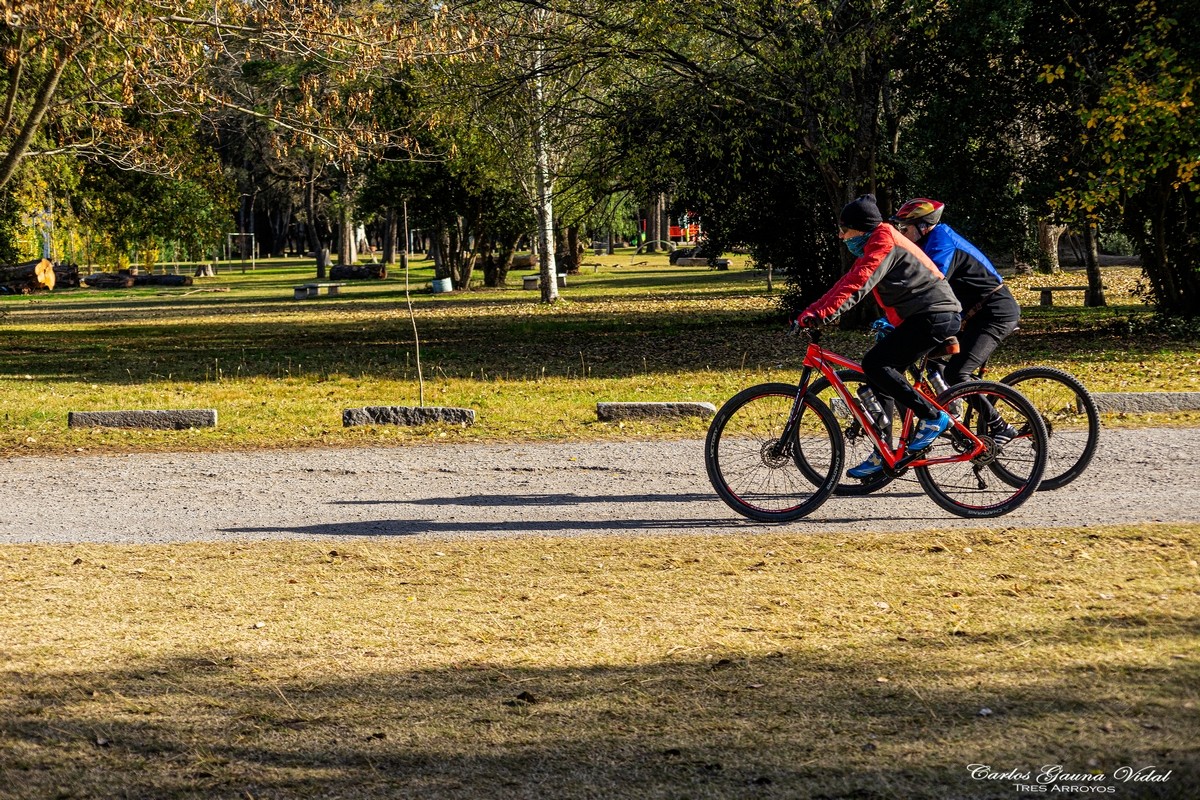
{"x": 775, "y": 452}
{"x": 1067, "y": 408}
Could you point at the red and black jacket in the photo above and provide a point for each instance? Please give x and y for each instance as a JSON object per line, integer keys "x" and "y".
{"x": 903, "y": 279}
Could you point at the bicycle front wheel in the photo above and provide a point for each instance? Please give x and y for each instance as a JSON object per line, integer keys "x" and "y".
{"x": 1003, "y": 476}
{"x": 756, "y": 471}
{"x": 1071, "y": 417}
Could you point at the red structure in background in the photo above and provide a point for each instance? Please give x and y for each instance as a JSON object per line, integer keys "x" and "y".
{"x": 684, "y": 233}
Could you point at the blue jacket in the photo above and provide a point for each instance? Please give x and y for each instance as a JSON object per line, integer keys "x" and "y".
{"x": 970, "y": 273}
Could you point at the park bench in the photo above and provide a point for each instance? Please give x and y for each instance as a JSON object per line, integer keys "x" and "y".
{"x": 305, "y": 290}
{"x": 1047, "y": 292}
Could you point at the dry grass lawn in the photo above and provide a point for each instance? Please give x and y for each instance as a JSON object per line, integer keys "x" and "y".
{"x": 869, "y": 666}
{"x": 280, "y": 372}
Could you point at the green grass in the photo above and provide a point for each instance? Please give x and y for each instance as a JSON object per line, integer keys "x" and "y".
{"x": 280, "y": 371}
{"x": 863, "y": 666}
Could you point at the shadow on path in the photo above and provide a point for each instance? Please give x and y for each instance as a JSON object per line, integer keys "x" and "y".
{"x": 424, "y": 526}
{"x": 501, "y": 500}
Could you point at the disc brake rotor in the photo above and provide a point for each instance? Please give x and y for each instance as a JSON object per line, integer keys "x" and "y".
{"x": 773, "y": 455}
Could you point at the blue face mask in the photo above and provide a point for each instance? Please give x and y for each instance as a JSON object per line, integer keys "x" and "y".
{"x": 857, "y": 244}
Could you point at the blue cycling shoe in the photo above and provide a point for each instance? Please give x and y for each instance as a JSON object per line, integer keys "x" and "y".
{"x": 928, "y": 430}
{"x": 872, "y": 466}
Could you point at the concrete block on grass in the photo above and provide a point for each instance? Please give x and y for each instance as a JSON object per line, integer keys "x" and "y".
{"x": 614, "y": 412}
{"x": 158, "y": 420}
{"x": 1145, "y": 402}
{"x": 407, "y": 415}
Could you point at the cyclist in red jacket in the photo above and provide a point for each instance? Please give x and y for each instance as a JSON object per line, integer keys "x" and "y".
{"x": 916, "y": 299}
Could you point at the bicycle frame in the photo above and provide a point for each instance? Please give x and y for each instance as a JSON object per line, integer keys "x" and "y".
{"x": 895, "y": 461}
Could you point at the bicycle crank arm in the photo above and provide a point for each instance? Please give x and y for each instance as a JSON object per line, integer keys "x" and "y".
{"x": 903, "y": 464}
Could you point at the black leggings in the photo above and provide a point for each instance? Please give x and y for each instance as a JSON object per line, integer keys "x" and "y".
{"x": 982, "y": 334}
{"x": 885, "y": 363}
{"x": 980, "y": 337}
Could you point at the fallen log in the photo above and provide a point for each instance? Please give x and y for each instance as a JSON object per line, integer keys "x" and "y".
{"x": 162, "y": 280}
{"x": 33, "y": 276}
{"x": 108, "y": 280}
{"x": 66, "y": 276}
{"x": 123, "y": 280}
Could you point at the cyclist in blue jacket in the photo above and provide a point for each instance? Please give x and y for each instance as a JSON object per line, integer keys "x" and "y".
{"x": 990, "y": 312}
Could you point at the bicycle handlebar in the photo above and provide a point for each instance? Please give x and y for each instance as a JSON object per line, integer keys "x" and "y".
{"x": 795, "y": 329}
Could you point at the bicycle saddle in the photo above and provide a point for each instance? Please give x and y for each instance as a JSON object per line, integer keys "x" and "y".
{"x": 947, "y": 347}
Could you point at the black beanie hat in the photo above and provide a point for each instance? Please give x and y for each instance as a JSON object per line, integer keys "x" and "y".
{"x": 862, "y": 214}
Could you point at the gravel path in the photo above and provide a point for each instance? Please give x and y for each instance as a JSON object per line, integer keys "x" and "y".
{"x": 451, "y": 491}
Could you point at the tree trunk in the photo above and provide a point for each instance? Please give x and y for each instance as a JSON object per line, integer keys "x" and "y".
{"x": 346, "y": 226}
{"x": 1094, "y": 298}
{"x": 466, "y": 253}
{"x": 314, "y": 239}
{"x": 279, "y": 219}
{"x": 544, "y": 181}
{"x": 573, "y": 250}
{"x": 498, "y": 262}
{"x": 664, "y": 222}
{"x": 391, "y": 232}
{"x": 652, "y": 221}
{"x": 33, "y": 120}
{"x": 545, "y": 213}
{"x": 1169, "y": 247}
{"x": 441, "y": 250}
{"x": 561, "y": 253}
{"x": 506, "y": 260}
{"x": 1048, "y": 236}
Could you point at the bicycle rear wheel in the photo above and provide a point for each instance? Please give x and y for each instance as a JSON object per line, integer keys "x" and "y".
{"x": 756, "y": 473}
{"x": 1071, "y": 417}
{"x": 858, "y": 444}
{"x": 1001, "y": 478}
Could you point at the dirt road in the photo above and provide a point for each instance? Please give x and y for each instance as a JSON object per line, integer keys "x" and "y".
{"x": 449, "y": 491}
